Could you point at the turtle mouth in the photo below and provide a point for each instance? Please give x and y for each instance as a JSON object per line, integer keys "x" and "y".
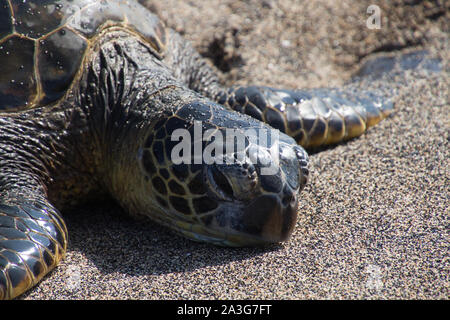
{"x": 266, "y": 220}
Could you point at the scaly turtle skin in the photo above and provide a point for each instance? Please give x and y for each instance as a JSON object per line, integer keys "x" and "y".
{"x": 90, "y": 95}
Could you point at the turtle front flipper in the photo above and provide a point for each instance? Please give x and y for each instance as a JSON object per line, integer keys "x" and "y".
{"x": 312, "y": 117}
{"x": 33, "y": 240}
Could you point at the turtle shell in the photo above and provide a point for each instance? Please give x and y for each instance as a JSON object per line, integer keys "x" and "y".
{"x": 43, "y": 43}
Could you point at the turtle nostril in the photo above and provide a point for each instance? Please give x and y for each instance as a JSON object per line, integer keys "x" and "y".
{"x": 222, "y": 182}
{"x": 286, "y": 200}
{"x": 288, "y": 197}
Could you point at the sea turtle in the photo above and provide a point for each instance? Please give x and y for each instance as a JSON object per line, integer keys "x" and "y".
{"x": 91, "y": 96}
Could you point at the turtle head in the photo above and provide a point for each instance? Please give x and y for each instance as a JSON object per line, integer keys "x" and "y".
{"x": 235, "y": 191}
{"x": 256, "y": 198}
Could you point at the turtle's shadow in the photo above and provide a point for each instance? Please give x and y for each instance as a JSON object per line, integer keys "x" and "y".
{"x": 116, "y": 242}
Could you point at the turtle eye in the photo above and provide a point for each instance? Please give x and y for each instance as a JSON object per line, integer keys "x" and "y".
{"x": 224, "y": 187}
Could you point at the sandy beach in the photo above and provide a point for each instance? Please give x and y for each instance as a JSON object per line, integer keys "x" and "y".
{"x": 374, "y": 218}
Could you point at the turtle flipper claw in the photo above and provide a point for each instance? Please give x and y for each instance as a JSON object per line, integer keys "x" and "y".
{"x": 33, "y": 240}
